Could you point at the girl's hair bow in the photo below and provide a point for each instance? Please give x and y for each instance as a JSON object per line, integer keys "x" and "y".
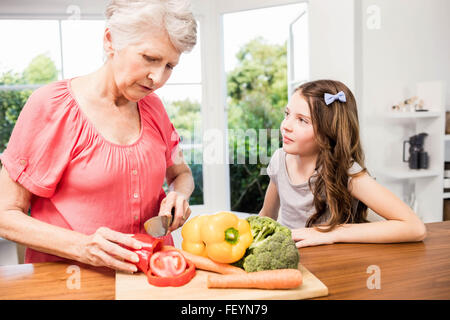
{"x": 329, "y": 98}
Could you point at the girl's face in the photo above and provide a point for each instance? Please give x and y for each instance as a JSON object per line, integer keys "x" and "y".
{"x": 297, "y": 128}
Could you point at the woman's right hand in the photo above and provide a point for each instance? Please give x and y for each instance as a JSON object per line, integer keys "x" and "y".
{"x": 103, "y": 248}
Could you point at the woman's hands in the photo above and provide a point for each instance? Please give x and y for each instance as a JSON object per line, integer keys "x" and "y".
{"x": 103, "y": 248}
{"x": 305, "y": 237}
{"x": 182, "y": 211}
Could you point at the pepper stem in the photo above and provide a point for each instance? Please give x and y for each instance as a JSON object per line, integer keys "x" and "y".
{"x": 231, "y": 235}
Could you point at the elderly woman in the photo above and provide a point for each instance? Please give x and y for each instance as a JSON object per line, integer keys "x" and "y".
{"x": 89, "y": 155}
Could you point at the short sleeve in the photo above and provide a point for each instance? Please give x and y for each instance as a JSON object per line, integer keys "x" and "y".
{"x": 274, "y": 166}
{"x": 41, "y": 143}
{"x": 354, "y": 169}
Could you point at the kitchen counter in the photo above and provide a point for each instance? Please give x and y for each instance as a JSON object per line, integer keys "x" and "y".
{"x": 350, "y": 271}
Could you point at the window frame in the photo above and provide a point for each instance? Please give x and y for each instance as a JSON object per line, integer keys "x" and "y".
{"x": 293, "y": 82}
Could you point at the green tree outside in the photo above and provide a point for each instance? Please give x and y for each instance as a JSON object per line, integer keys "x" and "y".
{"x": 185, "y": 115}
{"x": 257, "y": 95}
{"x": 41, "y": 70}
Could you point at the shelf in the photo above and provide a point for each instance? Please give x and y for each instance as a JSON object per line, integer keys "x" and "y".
{"x": 401, "y": 174}
{"x": 447, "y": 137}
{"x": 446, "y": 195}
{"x": 413, "y": 115}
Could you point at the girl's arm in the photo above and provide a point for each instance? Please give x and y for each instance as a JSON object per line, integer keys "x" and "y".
{"x": 271, "y": 202}
{"x": 401, "y": 225}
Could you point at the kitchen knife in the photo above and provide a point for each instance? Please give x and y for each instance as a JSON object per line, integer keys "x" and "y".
{"x": 158, "y": 226}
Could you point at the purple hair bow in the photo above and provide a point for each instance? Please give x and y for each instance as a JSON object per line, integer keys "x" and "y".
{"x": 330, "y": 98}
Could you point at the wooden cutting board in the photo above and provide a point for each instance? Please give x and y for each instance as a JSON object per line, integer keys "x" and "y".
{"x": 136, "y": 287}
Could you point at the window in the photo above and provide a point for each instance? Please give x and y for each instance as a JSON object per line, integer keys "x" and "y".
{"x": 256, "y": 65}
{"x": 82, "y": 46}
{"x": 29, "y": 58}
{"x": 25, "y": 40}
{"x": 182, "y": 97}
{"x": 298, "y": 50}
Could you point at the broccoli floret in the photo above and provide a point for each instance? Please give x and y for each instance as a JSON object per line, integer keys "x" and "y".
{"x": 272, "y": 247}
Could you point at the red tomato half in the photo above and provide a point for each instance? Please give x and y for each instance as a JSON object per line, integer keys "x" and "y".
{"x": 176, "y": 281}
{"x": 167, "y": 263}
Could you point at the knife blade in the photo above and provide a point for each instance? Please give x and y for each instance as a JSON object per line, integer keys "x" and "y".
{"x": 158, "y": 226}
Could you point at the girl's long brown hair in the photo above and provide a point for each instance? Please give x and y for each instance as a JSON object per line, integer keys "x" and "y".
{"x": 336, "y": 131}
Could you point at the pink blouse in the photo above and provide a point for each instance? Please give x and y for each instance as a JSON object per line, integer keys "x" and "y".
{"x": 79, "y": 180}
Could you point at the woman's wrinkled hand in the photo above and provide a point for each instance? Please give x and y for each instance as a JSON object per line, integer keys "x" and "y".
{"x": 306, "y": 237}
{"x": 104, "y": 248}
{"x": 182, "y": 210}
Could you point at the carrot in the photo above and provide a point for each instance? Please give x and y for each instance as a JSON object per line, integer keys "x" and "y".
{"x": 205, "y": 263}
{"x": 267, "y": 279}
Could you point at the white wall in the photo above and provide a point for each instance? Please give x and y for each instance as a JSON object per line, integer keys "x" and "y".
{"x": 412, "y": 45}
{"x": 332, "y": 40}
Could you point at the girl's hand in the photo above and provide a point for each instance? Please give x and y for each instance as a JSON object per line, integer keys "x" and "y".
{"x": 305, "y": 237}
{"x": 103, "y": 248}
{"x": 182, "y": 211}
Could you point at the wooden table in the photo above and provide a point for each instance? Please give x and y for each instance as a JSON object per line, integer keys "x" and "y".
{"x": 406, "y": 271}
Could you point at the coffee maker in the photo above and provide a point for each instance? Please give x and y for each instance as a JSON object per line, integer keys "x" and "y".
{"x": 418, "y": 158}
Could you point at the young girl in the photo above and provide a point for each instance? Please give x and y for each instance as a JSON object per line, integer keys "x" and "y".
{"x": 319, "y": 179}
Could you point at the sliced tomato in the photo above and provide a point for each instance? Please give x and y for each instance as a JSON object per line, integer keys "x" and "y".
{"x": 167, "y": 263}
{"x": 173, "y": 281}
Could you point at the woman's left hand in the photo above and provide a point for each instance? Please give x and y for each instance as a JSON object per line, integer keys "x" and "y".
{"x": 306, "y": 237}
{"x": 182, "y": 211}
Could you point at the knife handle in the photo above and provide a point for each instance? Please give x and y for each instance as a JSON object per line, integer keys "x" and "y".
{"x": 172, "y": 212}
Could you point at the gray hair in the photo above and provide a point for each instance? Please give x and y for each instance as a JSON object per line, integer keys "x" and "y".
{"x": 130, "y": 20}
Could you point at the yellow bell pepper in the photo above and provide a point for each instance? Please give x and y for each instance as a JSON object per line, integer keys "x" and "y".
{"x": 226, "y": 237}
{"x": 192, "y": 241}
